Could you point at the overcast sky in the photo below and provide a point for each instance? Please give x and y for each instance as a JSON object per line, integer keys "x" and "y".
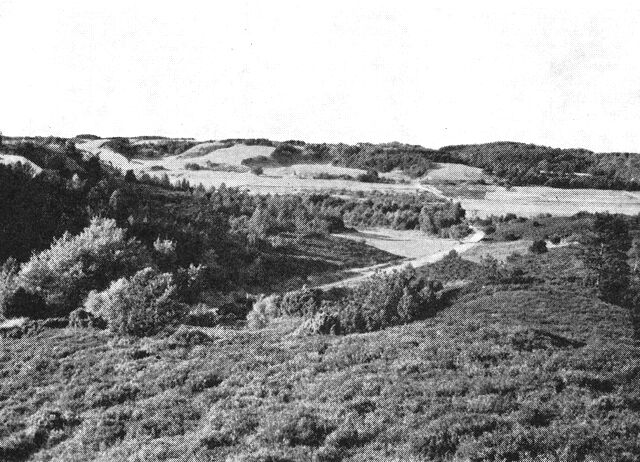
{"x": 432, "y": 73}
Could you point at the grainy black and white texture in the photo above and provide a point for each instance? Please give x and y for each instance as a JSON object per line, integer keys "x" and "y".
{"x": 170, "y": 291}
{"x": 160, "y": 302}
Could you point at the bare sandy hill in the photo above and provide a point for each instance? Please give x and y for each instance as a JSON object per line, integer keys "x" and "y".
{"x": 215, "y": 153}
{"x": 107, "y": 155}
{"x": 456, "y": 172}
{"x": 9, "y": 159}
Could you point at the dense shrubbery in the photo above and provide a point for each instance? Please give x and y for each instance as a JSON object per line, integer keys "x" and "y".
{"x": 538, "y": 247}
{"x": 529, "y": 164}
{"x": 413, "y": 160}
{"x": 510, "y": 227}
{"x": 33, "y": 210}
{"x": 387, "y": 300}
{"x": 381, "y": 301}
{"x": 141, "y": 305}
{"x": 74, "y": 265}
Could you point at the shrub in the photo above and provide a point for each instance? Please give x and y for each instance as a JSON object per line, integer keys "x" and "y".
{"x": 193, "y": 166}
{"x": 538, "y": 247}
{"x": 385, "y": 300}
{"x": 303, "y": 302}
{"x": 264, "y": 310}
{"x": 257, "y": 170}
{"x": 296, "y": 427}
{"x": 75, "y": 265}
{"x": 142, "y": 305}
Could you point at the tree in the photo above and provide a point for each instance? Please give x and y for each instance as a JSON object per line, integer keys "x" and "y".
{"x": 606, "y": 257}
{"x": 130, "y": 177}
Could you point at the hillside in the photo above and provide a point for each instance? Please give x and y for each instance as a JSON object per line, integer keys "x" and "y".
{"x": 530, "y": 164}
{"x": 510, "y": 372}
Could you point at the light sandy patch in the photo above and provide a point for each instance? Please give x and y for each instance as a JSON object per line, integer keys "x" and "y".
{"x": 530, "y": 201}
{"x": 312, "y": 170}
{"x": 201, "y": 149}
{"x": 106, "y": 155}
{"x": 408, "y": 244}
{"x": 9, "y": 159}
{"x": 138, "y": 141}
{"x": 456, "y": 172}
{"x": 232, "y": 155}
{"x": 265, "y": 184}
{"x": 418, "y": 248}
{"x": 13, "y": 322}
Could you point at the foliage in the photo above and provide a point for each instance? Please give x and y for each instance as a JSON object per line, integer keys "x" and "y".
{"x": 74, "y": 265}
{"x": 264, "y": 310}
{"x": 606, "y": 257}
{"x": 33, "y": 210}
{"x": 538, "y": 247}
{"x": 122, "y": 146}
{"x": 303, "y": 302}
{"x": 386, "y": 300}
{"x": 141, "y": 305}
{"x": 502, "y": 373}
{"x": 530, "y": 164}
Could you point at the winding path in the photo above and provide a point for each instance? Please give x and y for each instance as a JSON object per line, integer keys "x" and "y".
{"x": 368, "y": 271}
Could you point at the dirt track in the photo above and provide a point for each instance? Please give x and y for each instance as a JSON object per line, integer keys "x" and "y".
{"x": 420, "y": 259}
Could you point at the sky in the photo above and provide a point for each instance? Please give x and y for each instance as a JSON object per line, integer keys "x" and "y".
{"x": 563, "y": 74}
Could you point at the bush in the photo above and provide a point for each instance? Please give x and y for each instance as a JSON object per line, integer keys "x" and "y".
{"x": 303, "y": 302}
{"x": 257, "y": 170}
{"x": 263, "y": 311}
{"x": 295, "y": 427}
{"x": 538, "y": 247}
{"x": 139, "y": 306}
{"x": 386, "y": 300}
{"x": 74, "y": 265}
